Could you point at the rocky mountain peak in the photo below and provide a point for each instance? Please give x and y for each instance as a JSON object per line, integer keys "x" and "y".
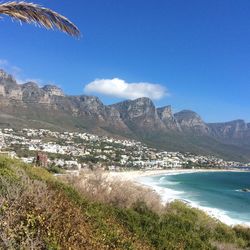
{"x": 9, "y": 87}
{"x": 165, "y": 112}
{"x": 89, "y": 102}
{"x": 143, "y": 100}
{"x": 166, "y": 115}
{"x": 87, "y": 105}
{"x": 31, "y": 92}
{"x": 140, "y": 114}
{"x": 191, "y": 121}
{"x": 136, "y": 108}
{"x": 3, "y": 74}
{"x": 53, "y": 90}
{"x": 7, "y": 80}
{"x": 187, "y": 115}
{"x": 30, "y": 85}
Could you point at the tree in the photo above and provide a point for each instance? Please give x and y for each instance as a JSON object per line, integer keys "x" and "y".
{"x": 36, "y": 14}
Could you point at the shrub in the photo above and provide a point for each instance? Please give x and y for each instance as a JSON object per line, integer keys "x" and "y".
{"x": 97, "y": 186}
{"x": 32, "y": 216}
{"x": 55, "y": 170}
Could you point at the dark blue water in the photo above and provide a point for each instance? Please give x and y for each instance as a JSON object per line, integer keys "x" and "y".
{"x": 219, "y": 193}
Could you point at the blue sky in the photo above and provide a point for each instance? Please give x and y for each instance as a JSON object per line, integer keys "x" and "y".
{"x": 198, "y": 52}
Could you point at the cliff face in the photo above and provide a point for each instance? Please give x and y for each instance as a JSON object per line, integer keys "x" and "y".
{"x": 140, "y": 114}
{"x": 30, "y": 99}
{"x": 237, "y": 129}
{"x": 190, "y": 121}
{"x": 168, "y": 118}
{"x": 52, "y": 90}
{"x": 28, "y": 104}
{"x": 9, "y": 88}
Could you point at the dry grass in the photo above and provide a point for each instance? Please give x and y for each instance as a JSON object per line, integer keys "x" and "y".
{"x": 99, "y": 187}
{"x": 34, "y": 13}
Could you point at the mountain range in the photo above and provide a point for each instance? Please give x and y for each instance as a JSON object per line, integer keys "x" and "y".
{"x": 28, "y": 105}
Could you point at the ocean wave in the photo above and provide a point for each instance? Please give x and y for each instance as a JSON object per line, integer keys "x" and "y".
{"x": 221, "y": 215}
{"x": 163, "y": 180}
{"x": 169, "y": 195}
{"x": 242, "y": 191}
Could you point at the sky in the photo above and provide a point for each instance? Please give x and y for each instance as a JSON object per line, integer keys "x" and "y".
{"x": 189, "y": 54}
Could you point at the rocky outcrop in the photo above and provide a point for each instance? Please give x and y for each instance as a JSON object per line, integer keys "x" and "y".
{"x": 52, "y": 90}
{"x": 237, "y": 129}
{"x": 5, "y": 77}
{"x": 31, "y": 93}
{"x": 166, "y": 115}
{"x": 140, "y": 115}
{"x": 190, "y": 121}
{"x": 9, "y": 87}
{"x": 92, "y": 108}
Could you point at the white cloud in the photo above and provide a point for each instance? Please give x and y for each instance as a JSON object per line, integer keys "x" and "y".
{"x": 119, "y": 88}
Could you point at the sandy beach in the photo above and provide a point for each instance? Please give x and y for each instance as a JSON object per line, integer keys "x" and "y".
{"x": 134, "y": 175}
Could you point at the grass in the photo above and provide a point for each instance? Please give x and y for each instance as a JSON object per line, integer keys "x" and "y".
{"x": 38, "y": 211}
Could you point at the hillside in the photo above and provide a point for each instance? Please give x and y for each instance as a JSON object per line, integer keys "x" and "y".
{"x": 38, "y": 211}
{"x": 30, "y": 106}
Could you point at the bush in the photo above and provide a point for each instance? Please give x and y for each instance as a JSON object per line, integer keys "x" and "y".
{"x": 55, "y": 170}
{"x": 32, "y": 216}
{"x": 97, "y": 186}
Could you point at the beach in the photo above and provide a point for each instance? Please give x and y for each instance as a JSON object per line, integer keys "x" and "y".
{"x": 143, "y": 178}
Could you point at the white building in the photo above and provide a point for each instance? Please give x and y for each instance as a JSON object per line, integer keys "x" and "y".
{"x": 2, "y": 142}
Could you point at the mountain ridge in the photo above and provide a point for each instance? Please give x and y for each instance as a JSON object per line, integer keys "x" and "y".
{"x": 30, "y": 105}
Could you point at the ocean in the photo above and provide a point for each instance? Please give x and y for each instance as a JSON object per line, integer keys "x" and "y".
{"x": 218, "y": 193}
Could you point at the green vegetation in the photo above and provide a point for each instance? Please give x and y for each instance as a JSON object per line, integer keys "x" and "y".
{"x": 55, "y": 169}
{"x": 38, "y": 211}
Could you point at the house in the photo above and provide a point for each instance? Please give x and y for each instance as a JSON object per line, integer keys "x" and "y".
{"x": 42, "y": 160}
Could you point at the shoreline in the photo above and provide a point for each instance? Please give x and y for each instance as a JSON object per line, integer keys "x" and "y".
{"x": 135, "y": 174}
{"x": 168, "y": 195}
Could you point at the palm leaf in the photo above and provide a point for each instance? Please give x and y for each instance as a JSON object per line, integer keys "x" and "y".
{"x": 34, "y": 13}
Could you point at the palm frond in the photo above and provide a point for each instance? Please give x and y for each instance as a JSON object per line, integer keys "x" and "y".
{"x": 34, "y": 13}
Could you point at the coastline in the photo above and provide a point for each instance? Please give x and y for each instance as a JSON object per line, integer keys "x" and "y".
{"x": 134, "y": 175}
{"x": 168, "y": 195}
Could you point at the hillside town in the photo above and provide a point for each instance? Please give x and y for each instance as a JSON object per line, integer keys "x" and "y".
{"x": 75, "y": 151}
